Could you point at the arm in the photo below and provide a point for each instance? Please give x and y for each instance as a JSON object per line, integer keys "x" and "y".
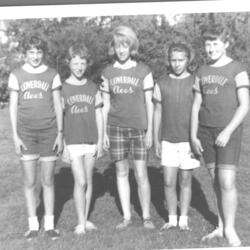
{"x": 241, "y": 111}
{"x": 157, "y": 119}
{"x": 13, "y": 119}
{"x": 196, "y": 144}
{"x": 105, "y": 111}
{"x": 148, "y": 87}
{"x": 99, "y": 124}
{"x": 59, "y": 120}
{"x": 157, "y": 123}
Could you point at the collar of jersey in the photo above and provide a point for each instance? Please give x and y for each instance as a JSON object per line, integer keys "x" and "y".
{"x": 42, "y": 68}
{"x": 129, "y": 64}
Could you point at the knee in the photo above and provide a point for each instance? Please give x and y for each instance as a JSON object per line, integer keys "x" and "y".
{"x": 81, "y": 183}
{"x": 29, "y": 183}
{"x": 122, "y": 173}
{"x": 169, "y": 183}
{"x": 185, "y": 182}
{"x": 226, "y": 185}
{"x": 48, "y": 181}
{"x": 141, "y": 178}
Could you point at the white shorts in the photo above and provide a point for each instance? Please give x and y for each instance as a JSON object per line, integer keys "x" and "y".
{"x": 76, "y": 150}
{"x": 38, "y": 157}
{"x": 178, "y": 155}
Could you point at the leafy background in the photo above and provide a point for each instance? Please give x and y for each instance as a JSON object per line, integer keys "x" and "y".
{"x": 155, "y": 33}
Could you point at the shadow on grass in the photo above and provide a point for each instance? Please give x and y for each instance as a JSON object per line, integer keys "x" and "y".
{"x": 198, "y": 201}
{"x": 157, "y": 191}
{"x": 106, "y": 182}
{"x": 63, "y": 192}
{"x": 64, "y": 185}
{"x": 110, "y": 179}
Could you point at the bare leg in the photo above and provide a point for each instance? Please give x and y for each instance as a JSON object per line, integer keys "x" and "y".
{"x": 47, "y": 175}
{"x": 144, "y": 191}
{"x": 79, "y": 192}
{"x": 122, "y": 175}
{"x": 229, "y": 204}
{"x": 185, "y": 196}
{"x": 170, "y": 179}
{"x": 89, "y": 163}
{"x": 29, "y": 169}
{"x": 218, "y": 232}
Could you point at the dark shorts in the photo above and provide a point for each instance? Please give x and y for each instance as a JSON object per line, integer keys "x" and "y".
{"x": 228, "y": 155}
{"x": 125, "y": 141}
{"x": 39, "y": 143}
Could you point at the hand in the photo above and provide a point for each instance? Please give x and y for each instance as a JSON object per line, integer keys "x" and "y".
{"x": 106, "y": 143}
{"x": 223, "y": 138}
{"x": 19, "y": 145}
{"x": 148, "y": 140}
{"x": 197, "y": 147}
{"x": 157, "y": 147}
{"x": 99, "y": 150}
{"x": 58, "y": 145}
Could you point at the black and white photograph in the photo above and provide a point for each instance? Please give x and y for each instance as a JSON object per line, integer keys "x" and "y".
{"x": 124, "y": 125}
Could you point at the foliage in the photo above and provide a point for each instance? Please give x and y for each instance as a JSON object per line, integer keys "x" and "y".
{"x": 155, "y": 33}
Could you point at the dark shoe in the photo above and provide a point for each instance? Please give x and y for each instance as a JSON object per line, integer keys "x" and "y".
{"x": 31, "y": 234}
{"x": 53, "y": 234}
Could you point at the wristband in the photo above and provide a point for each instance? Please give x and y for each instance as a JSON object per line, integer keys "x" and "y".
{"x": 59, "y": 131}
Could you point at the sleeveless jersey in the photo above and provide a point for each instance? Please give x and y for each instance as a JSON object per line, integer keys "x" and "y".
{"x": 218, "y": 88}
{"x": 35, "y": 100}
{"x": 176, "y": 100}
{"x": 126, "y": 89}
{"x": 79, "y": 117}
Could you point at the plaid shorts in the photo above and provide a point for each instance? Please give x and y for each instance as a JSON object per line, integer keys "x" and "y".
{"x": 125, "y": 141}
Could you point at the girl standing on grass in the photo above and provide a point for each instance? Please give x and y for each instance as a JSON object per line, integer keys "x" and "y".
{"x": 173, "y": 97}
{"x": 128, "y": 115}
{"x": 83, "y": 131}
{"x": 220, "y": 105}
{"x": 36, "y": 119}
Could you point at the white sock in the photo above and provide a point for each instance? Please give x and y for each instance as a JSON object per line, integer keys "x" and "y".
{"x": 48, "y": 222}
{"x": 172, "y": 219}
{"x": 183, "y": 220}
{"x": 33, "y": 223}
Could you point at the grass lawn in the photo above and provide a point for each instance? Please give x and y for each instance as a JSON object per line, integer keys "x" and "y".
{"x": 106, "y": 211}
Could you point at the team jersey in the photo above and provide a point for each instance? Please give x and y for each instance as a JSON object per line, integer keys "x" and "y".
{"x": 175, "y": 96}
{"x": 80, "y": 103}
{"x": 218, "y": 88}
{"x": 35, "y": 88}
{"x": 127, "y": 87}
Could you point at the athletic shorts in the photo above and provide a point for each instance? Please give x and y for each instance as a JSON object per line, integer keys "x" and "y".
{"x": 39, "y": 144}
{"x": 228, "y": 155}
{"x": 178, "y": 155}
{"x": 125, "y": 141}
{"x": 76, "y": 150}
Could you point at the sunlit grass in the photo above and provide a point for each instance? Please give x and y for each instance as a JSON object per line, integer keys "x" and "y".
{"x": 105, "y": 210}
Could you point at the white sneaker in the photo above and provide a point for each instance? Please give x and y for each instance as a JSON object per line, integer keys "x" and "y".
{"x": 79, "y": 229}
{"x": 90, "y": 226}
{"x": 167, "y": 226}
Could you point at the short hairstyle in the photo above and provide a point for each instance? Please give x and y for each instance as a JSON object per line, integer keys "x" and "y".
{"x": 78, "y": 49}
{"x": 179, "y": 47}
{"x": 125, "y": 35}
{"x": 216, "y": 31}
{"x": 35, "y": 41}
